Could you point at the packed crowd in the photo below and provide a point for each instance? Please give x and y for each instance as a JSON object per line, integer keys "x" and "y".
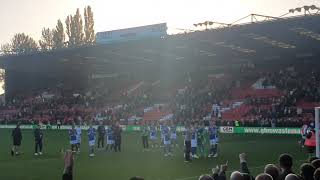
{"x": 308, "y": 170}
{"x": 199, "y": 99}
{"x": 52, "y": 107}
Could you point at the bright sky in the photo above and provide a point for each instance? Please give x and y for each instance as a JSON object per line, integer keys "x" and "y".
{"x": 30, "y": 16}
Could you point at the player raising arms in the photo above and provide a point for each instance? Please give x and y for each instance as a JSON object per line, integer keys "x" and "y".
{"x": 73, "y": 138}
{"x": 92, "y": 140}
{"x": 78, "y": 131}
{"x": 213, "y": 138}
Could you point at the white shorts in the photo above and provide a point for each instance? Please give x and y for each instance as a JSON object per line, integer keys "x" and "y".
{"x": 166, "y": 142}
{"x": 110, "y": 141}
{"x": 92, "y": 142}
{"x": 73, "y": 142}
{"x": 153, "y": 137}
{"x": 214, "y": 141}
{"x": 194, "y": 143}
{"x": 78, "y": 140}
{"x": 173, "y": 136}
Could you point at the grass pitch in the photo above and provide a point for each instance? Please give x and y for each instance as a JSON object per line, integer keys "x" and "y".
{"x": 132, "y": 161}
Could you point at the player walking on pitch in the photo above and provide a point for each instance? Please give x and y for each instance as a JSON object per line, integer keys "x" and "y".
{"x": 166, "y": 141}
{"x": 194, "y": 142}
{"x": 73, "y": 138}
{"x": 110, "y": 139}
{"x": 213, "y": 138}
{"x": 144, "y": 135}
{"x": 173, "y": 136}
{"x": 101, "y": 135}
{"x": 38, "y": 137}
{"x": 17, "y": 138}
{"x": 153, "y": 136}
{"x": 78, "y": 132}
{"x": 92, "y": 140}
{"x": 201, "y": 140}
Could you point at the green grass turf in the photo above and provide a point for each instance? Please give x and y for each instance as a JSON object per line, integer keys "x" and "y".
{"x": 261, "y": 149}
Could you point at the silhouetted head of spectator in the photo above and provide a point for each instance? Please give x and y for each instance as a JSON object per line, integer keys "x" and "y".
{"x": 247, "y": 176}
{"x": 292, "y": 177}
{"x": 285, "y": 161}
{"x": 236, "y": 175}
{"x": 264, "y": 176}
{"x": 136, "y": 178}
{"x": 316, "y": 174}
{"x": 272, "y": 170}
{"x": 205, "y": 177}
{"x": 316, "y": 163}
{"x": 307, "y": 170}
{"x": 312, "y": 159}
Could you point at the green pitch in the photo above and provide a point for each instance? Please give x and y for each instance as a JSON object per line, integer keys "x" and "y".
{"x": 260, "y": 149}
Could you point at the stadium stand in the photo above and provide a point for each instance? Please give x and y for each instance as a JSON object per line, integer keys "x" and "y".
{"x": 249, "y": 73}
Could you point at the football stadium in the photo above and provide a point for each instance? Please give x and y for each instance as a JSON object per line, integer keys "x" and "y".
{"x": 220, "y": 101}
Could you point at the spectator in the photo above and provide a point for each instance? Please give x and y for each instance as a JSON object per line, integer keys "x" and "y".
{"x": 272, "y": 170}
{"x": 205, "y": 177}
{"x": 264, "y": 176}
{"x": 312, "y": 159}
{"x": 285, "y": 161}
{"x": 243, "y": 163}
{"x": 68, "y": 166}
{"x": 236, "y": 175}
{"x": 316, "y": 163}
{"x": 307, "y": 171}
{"x": 316, "y": 175}
{"x": 292, "y": 177}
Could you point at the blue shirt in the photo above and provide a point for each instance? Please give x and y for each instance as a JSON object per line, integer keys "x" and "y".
{"x": 91, "y": 134}
{"x": 194, "y": 134}
{"x": 110, "y": 134}
{"x": 73, "y": 134}
{"x": 153, "y": 131}
{"x": 173, "y": 130}
{"x": 213, "y": 132}
{"x": 166, "y": 133}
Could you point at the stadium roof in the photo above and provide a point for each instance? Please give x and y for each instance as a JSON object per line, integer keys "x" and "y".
{"x": 290, "y": 38}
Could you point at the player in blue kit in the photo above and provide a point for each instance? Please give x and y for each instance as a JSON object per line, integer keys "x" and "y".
{"x": 161, "y": 134}
{"x": 153, "y": 136}
{"x": 110, "y": 139}
{"x": 194, "y": 141}
{"x": 213, "y": 138}
{"x": 167, "y": 141}
{"x": 73, "y": 138}
{"x": 173, "y": 130}
{"x": 78, "y": 130}
{"x": 92, "y": 140}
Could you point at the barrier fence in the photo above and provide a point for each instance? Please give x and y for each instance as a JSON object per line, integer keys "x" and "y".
{"x": 223, "y": 129}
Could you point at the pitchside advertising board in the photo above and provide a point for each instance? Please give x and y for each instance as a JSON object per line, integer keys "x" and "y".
{"x": 223, "y": 129}
{"x": 135, "y": 33}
